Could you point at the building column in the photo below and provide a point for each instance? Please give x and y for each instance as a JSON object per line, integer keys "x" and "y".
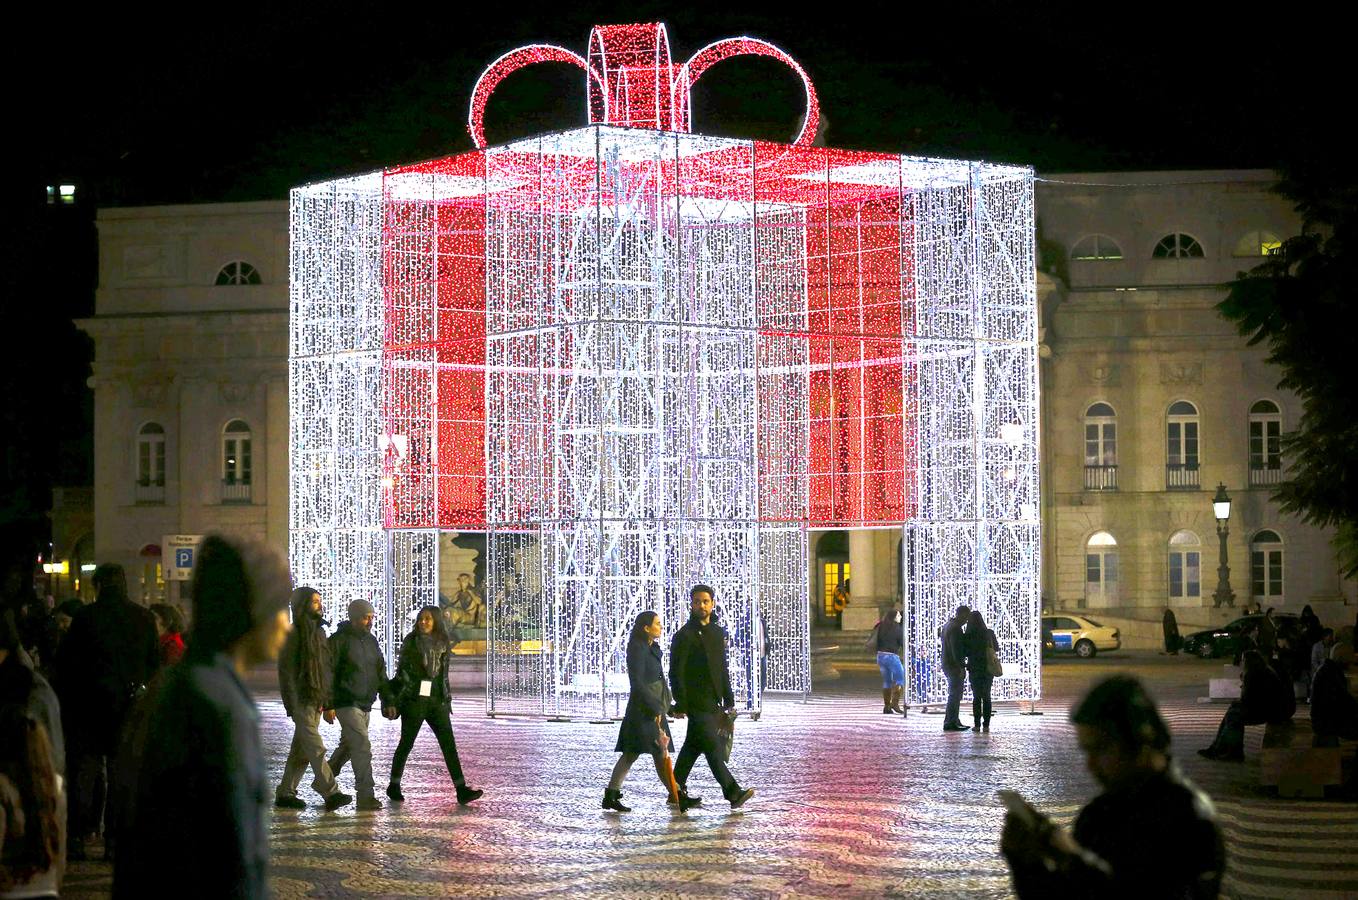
{"x": 866, "y": 583}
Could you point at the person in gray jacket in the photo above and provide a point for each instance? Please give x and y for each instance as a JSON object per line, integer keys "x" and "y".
{"x": 359, "y": 677}
{"x": 304, "y": 673}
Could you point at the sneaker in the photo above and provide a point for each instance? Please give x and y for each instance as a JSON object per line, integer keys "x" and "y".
{"x": 394, "y": 793}
{"x": 336, "y": 800}
{"x": 740, "y": 796}
{"x": 369, "y": 803}
{"x": 289, "y": 803}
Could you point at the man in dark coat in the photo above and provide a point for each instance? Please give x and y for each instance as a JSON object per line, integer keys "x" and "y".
{"x": 1151, "y": 833}
{"x": 1170, "y": 625}
{"x": 701, "y": 687}
{"x": 1334, "y": 711}
{"x": 359, "y": 676}
{"x": 198, "y": 823}
{"x": 954, "y": 668}
{"x": 104, "y": 663}
{"x": 304, "y": 680}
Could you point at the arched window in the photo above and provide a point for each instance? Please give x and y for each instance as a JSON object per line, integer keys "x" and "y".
{"x": 1096, "y": 246}
{"x": 1101, "y": 570}
{"x": 236, "y": 462}
{"x": 150, "y": 483}
{"x": 1181, "y": 452}
{"x": 1101, "y": 448}
{"x": 1266, "y": 567}
{"x": 1258, "y": 243}
{"x": 1266, "y": 429}
{"x": 237, "y": 272}
{"x": 1185, "y": 567}
{"x": 1177, "y": 246}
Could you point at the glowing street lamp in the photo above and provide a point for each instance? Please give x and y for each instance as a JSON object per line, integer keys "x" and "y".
{"x": 1221, "y": 509}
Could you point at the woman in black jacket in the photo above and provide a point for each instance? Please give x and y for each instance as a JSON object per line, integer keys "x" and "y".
{"x": 1265, "y": 698}
{"x": 977, "y": 643}
{"x": 644, "y": 729}
{"x": 421, "y": 691}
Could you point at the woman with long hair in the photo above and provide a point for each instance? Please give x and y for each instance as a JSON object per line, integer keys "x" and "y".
{"x": 421, "y": 692}
{"x": 979, "y": 641}
{"x": 644, "y": 729}
{"x": 170, "y": 628}
{"x": 30, "y": 805}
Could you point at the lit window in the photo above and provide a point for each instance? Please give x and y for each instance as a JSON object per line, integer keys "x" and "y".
{"x": 1101, "y": 570}
{"x": 61, "y": 194}
{"x": 1096, "y": 246}
{"x": 1177, "y": 246}
{"x": 1266, "y": 567}
{"x": 1258, "y": 243}
{"x": 1185, "y": 566}
{"x": 237, "y": 272}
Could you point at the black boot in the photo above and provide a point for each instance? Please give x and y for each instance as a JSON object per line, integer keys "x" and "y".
{"x": 613, "y": 800}
{"x": 686, "y": 800}
{"x": 467, "y": 795}
{"x": 394, "y": 792}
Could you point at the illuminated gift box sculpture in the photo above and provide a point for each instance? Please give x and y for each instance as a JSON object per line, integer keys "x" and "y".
{"x": 639, "y": 358}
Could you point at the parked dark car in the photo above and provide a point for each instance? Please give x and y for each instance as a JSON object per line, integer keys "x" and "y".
{"x": 1222, "y": 641}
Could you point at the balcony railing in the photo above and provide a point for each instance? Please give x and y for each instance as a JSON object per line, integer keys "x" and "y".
{"x": 1182, "y": 477}
{"x": 1265, "y": 475}
{"x": 1101, "y": 478}
{"x": 148, "y": 493}
{"x": 235, "y": 492}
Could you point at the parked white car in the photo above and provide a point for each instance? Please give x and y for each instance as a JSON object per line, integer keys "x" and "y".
{"x": 1081, "y": 635}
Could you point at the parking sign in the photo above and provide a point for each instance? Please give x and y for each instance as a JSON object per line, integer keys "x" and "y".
{"x": 180, "y": 551}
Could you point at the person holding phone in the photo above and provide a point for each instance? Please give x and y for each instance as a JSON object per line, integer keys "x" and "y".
{"x": 421, "y": 692}
{"x": 1151, "y": 833}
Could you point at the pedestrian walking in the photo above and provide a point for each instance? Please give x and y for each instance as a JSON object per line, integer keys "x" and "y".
{"x": 421, "y": 695}
{"x": 888, "y": 640}
{"x": 1151, "y": 833}
{"x": 359, "y": 676}
{"x": 701, "y": 686}
{"x": 954, "y": 667}
{"x": 103, "y": 667}
{"x": 169, "y": 628}
{"x": 1169, "y": 624}
{"x": 982, "y": 652}
{"x": 304, "y": 674}
{"x": 644, "y": 729}
{"x": 197, "y": 823}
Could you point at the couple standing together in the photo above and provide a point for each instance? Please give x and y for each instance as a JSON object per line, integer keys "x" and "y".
{"x": 973, "y": 654}
{"x": 699, "y": 688}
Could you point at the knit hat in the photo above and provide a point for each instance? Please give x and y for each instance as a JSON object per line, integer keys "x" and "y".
{"x": 358, "y": 609}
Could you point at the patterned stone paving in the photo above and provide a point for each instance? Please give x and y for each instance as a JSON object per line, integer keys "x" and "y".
{"x": 849, "y": 803}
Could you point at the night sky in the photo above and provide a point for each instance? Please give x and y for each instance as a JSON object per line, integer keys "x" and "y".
{"x": 232, "y": 103}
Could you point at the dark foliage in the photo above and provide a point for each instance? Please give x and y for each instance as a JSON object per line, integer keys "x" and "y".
{"x": 1301, "y": 304}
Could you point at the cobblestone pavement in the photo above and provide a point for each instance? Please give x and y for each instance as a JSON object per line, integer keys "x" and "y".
{"x": 849, "y": 803}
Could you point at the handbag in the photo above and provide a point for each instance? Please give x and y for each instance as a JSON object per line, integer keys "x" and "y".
{"x": 993, "y": 662}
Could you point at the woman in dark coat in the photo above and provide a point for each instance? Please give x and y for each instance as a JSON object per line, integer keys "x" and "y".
{"x": 977, "y": 643}
{"x": 644, "y": 729}
{"x": 1265, "y": 697}
{"x": 420, "y": 689}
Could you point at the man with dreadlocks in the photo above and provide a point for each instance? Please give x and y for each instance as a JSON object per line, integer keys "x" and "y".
{"x": 304, "y": 681}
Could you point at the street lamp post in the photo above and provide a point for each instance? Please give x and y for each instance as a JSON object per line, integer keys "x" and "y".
{"x": 1221, "y": 508}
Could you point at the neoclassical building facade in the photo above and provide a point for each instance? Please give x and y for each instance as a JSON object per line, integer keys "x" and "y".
{"x": 1150, "y": 399}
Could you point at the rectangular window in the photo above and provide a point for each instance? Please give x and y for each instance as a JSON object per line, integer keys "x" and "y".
{"x": 1266, "y": 573}
{"x": 1176, "y": 575}
{"x": 1193, "y": 573}
{"x": 1265, "y": 444}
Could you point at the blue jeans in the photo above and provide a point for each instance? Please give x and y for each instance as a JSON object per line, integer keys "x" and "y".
{"x": 893, "y": 670}
{"x": 956, "y": 680}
